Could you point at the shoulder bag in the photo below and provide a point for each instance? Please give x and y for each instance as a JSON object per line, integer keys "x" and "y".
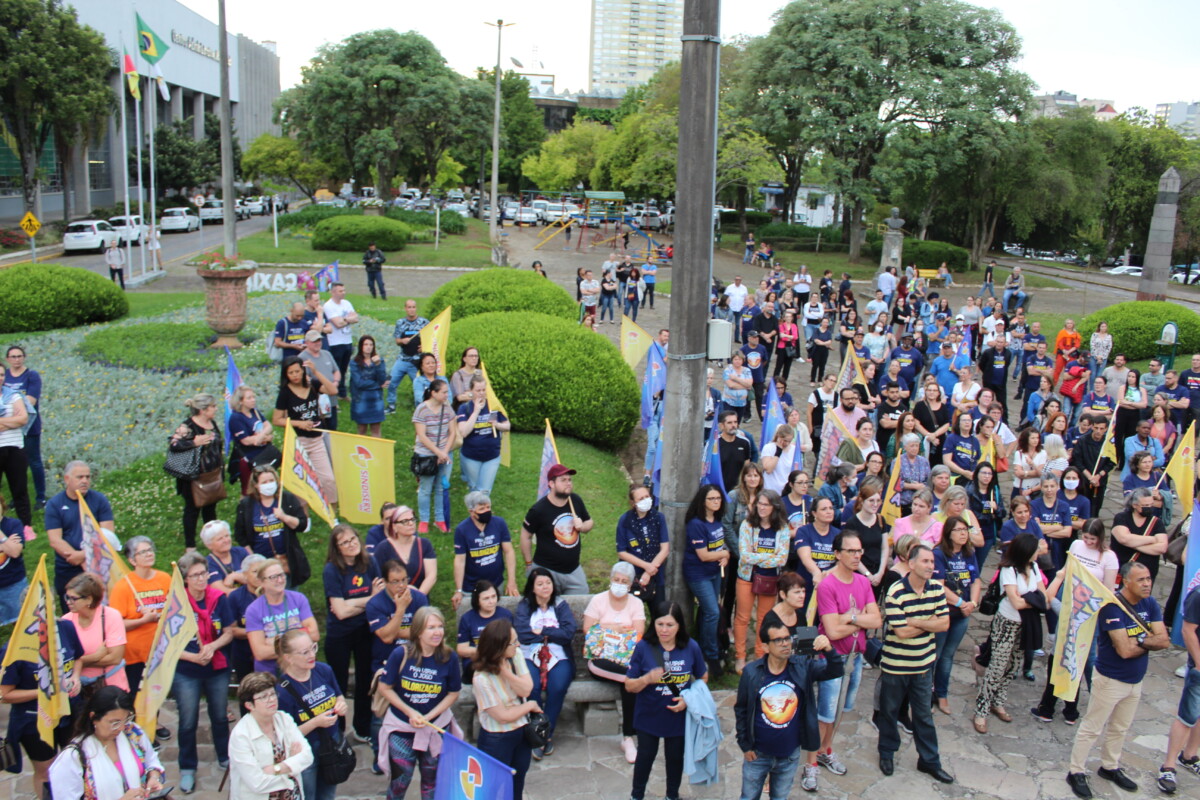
{"x": 335, "y": 757}
{"x": 183, "y": 464}
{"x": 990, "y": 603}
{"x": 1177, "y": 545}
{"x": 273, "y": 352}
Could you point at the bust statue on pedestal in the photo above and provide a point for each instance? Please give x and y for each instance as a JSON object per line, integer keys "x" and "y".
{"x": 893, "y": 242}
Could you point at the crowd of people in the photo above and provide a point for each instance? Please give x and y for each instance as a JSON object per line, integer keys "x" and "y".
{"x": 802, "y": 578}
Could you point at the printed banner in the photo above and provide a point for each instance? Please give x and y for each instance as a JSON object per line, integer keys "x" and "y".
{"x": 634, "y": 342}
{"x": 494, "y": 404}
{"x": 654, "y": 382}
{"x": 300, "y": 478}
{"x": 176, "y": 627}
{"x": 1191, "y": 574}
{"x": 710, "y": 468}
{"x": 549, "y": 459}
{"x": 233, "y": 379}
{"x": 100, "y": 556}
{"x": 1182, "y": 468}
{"x": 364, "y": 468}
{"x": 34, "y": 638}
{"x": 435, "y": 338}
{"x": 1083, "y": 597}
{"x": 891, "y": 496}
{"x": 467, "y": 773}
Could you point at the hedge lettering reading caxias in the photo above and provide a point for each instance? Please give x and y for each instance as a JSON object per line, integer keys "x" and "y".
{"x": 41, "y": 297}
{"x": 500, "y": 289}
{"x": 356, "y": 233}
{"x": 1136, "y": 326}
{"x": 547, "y": 368}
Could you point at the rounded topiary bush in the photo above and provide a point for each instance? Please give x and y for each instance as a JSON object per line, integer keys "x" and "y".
{"x": 171, "y": 347}
{"x": 41, "y": 297}
{"x": 1136, "y": 326}
{"x": 500, "y": 289}
{"x": 543, "y": 367}
{"x": 356, "y": 233}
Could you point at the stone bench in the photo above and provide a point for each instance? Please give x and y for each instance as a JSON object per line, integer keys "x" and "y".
{"x": 595, "y": 700}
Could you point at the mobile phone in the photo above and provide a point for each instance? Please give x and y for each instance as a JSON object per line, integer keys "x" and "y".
{"x": 160, "y": 794}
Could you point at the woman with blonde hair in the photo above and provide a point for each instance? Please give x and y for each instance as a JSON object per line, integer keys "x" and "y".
{"x": 310, "y": 694}
{"x": 276, "y": 611}
{"x": 251, "y": 434}
{"x": 199, "y": 430}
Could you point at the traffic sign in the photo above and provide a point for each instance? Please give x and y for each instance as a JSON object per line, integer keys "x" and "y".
{"x": 198, "y": 200}
{"x": 30, "y": 224}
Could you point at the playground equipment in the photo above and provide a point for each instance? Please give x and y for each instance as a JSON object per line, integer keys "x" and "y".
{"x": 600, "y": 210}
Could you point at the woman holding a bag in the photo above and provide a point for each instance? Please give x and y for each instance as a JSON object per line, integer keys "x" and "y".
{"x": 764, "y": 539}
{"x": 546, "y": 628}
{"x": 206, "y": 487}
{"x": 613, "y": 622}
{"x": 502, "y": 682}
{"x": 309, "y": 693}
{"x": 251, "y": 434}
{"x": 269, "y": 518}
{"x": 436, "y": 437}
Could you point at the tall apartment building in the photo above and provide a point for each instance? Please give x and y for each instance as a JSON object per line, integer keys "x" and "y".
{"x": 1183, "y": 117}
{"x": 630, "y": 41}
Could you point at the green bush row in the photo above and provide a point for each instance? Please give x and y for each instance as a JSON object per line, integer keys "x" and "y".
{"x": 1136, "y": 326}
{"x": 41, "y": 297}
{"x": 356, "y": 233}
{"x": 543, "y": 367}
{"x": 451, "y": 223}
{"x": 729, "y": 219}
{"x": 500, "y": 289}
{"x": 170, "y": 347}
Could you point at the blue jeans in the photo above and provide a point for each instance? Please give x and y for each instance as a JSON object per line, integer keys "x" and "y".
{"x": 400, "y": 368}
{"x": 947, "y": 643}
{"x": 782, "y": 772}
{"x": 314, "y": 788}
{"x": 187, "y": 691}
{"x": 607, "y": 303}
{"x": 33, "y": 454}
{"x": 551, "y": 699}
{"x": 480, "y": 475}
{"x": 708, "y": 594}
{"x": 431, "y": 487}
{"x": 508, "y": 748}
{"x": 11, "y": 598}
{"x": 375, "y": 279}
{"x": 652, "y": 434}
{"x": 1008, "y": 295}
{"x": 631, "y": 309}
{"x": 988, "y": 287}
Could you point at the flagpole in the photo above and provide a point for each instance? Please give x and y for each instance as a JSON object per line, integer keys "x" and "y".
{"x": 125, "y": 167}
{"x": 152, "y": 99}
{"x": 137, "y": 122}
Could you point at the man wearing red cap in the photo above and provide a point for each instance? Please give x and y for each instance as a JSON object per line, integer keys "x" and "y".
{"x": 556, "y": 522}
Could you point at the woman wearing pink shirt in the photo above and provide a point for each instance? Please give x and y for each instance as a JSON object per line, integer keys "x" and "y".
{"x": 920, "y": 522}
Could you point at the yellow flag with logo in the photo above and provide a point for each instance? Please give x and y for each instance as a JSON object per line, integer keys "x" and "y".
{"x": 435, "y": 338}
{"x": 1082, "y": 598}
{"x": 34, "y": 639}
{"x": 300, "y": 478}
{"x": 891, "y": 511}
{"x": 634, "y": 342}
{"x": 100, "y": 556}
{"x": 495, "y": 405}
{"x": 1182, "y": 468}
{"x": 176, "y": 627}
{"x": 364, "y": 468}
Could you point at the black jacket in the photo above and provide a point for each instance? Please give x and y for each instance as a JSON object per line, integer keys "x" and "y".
{"x": 803, "y": 671}
{"x": 373, "y": 261}
{"x": 243, "y": 526}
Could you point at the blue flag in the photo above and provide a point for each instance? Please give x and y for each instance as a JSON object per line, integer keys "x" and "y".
{"x": 467, "y": 773}
{"x": 710, "y": 471}
{"x": 327, "y": 276}
{"x": 654, "y": 382}
{"x": 656, "y": 474}
{"x": 964, "y": 349}
{"x": 1191, "y": 575}
{"x": 773, "y": 417}
{"x": 233, "y": 379}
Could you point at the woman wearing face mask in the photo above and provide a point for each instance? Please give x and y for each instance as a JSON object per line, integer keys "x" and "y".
{"x": 877, "y": 342}
{"x": 1079, "y": 505}
{"x": 617, "y": 615}
{"x": 268, "y": 518}
{"x": 642, "y": 542}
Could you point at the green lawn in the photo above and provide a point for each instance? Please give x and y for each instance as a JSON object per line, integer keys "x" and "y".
{"x": 467, "y": 250}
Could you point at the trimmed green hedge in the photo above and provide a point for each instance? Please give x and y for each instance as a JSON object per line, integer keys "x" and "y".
{"x": 356, "y": 233}
{"x": 309, "y": 216}
{"x": 925, "y": 253}
{"x": 500, "y": 289}
{"x": 544, "y": 367}
{"x": 729, "y": 219}
{"x": 170, "y": 347}
{"x": 451, "y": 223}
{"x": 42, "y": 297}
{"x": 1136, "y": 326}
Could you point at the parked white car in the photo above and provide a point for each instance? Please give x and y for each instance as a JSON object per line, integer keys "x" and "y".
{"x": 212, "y": 211}
{"x": 256, "y": 205}
{"x": 132, "y": 230}
{"x": 1134, "y": 271}
{"x": 526, "y": 216}
{"x": 89, "y": 234}
{"x": 178, "y": 219}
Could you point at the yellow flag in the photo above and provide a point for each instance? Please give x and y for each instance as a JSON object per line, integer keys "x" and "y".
{"x": 34, "y": 638}
{"x": 634, "y": 342}
{"x": 1182, "y": 468}
{"x": 435, "y": 338}
{"x": 1083, "y": 597}
{"x": 495, "y": 405}
{"x": 100, "y": 557}
{"x": 364, "y": 468}
{"x": 891, "y": 498}
{"x": 176, "y": 627}
{"x": 1109, "y": 450}
{"x": 300, "y": 478}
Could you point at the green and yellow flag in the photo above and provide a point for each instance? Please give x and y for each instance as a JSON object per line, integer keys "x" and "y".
{"x": 176, "y": 627}
{"x": 35, "y": 640}
{"x": 152, "y": 48}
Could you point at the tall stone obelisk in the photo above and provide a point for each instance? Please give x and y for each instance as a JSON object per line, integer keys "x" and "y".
{"x": 1157, "y": 267}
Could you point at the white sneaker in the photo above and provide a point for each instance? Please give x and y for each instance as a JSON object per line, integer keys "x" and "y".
{"x": 630, "y": 748}
{"x": 809, "y": 782}
{"x": 1182, "y": 671}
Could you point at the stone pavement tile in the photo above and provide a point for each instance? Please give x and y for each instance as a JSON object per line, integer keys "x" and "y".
{"x": 1005, "y": 783}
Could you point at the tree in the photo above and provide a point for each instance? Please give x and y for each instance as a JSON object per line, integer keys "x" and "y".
{"x": 53, "y": 73}
{"x": 279, "y": 159}
{"x": 210, "y": 150}
{"x": 522, "y": 127}
{"x": 178, "y": 158}
{"x": 842, "y": 77}
{"x": 568, "y": 157}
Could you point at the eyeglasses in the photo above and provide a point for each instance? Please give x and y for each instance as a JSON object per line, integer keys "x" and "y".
{"x": 71, "y": 599}
{"x": 145, "y": 551}
{"x": 280, "y": 576}
{"x": 405, "y": 521}
{"x": 265, "y": 697}
{"x": 262, "y": 469}
{"x": 192, "y": 576}
{"x": 308, "y": 651}
{"x": 118, "y": 724}
{"x": 713, "y": 497}
{"x": 857, "y": 552}
{"x": 347, "y": 542}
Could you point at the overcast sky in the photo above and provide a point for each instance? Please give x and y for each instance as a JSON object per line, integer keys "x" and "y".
{"x": 1134, "y": 53}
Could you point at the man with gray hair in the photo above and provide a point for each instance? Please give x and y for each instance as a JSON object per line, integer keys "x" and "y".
{"x": 482, "y": 550}
{"x": 63, "y": 528}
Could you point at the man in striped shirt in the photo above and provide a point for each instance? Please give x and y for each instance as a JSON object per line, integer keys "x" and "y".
{"x": 915, "y": 609}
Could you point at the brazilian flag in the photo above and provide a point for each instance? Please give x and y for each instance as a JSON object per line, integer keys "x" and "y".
{"x": 151, "y": 47}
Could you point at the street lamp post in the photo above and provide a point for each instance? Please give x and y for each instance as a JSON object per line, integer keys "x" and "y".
{"x": 499, "y": 25}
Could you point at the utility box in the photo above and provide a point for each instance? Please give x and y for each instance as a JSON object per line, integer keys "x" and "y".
{"x": 720, "y": 339}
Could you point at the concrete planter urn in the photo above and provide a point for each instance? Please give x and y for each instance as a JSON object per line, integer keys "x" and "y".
{"x": 372, "y": 211}
{"x": 225, "y": 301}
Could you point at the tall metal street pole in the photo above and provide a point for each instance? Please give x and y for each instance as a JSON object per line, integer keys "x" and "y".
{"x": 499, "y": 26}
{"x": 227, "y": 191}
{"x": 692, "y": 275}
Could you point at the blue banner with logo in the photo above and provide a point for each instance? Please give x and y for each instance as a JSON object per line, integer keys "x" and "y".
{"x": 1191, "y": 575}
{"x": 467, "y": 773}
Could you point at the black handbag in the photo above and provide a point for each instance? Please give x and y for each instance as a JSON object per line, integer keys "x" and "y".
{"x": 423, "y": 466}
{"x": 184, "y": 464}
{"x": 537, "y": 729}
{"x": 298, "y": 567}
{"x": 335, "y": 757}
{"x": 990, "y": 603}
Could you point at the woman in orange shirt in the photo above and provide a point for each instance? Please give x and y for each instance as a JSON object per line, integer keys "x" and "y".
{"x": 1066, "y": 346}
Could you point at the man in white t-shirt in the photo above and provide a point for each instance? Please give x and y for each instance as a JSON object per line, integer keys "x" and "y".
{"x": 341, "y": 315}
{"x": 736, "y": 292}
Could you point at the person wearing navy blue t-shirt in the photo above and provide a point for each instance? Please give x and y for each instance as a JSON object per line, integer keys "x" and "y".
{"x": 390, "y": 612}
{"x": 1053, "y": 517}
{"x": 483, "y": 550}
{"x": 350, "y": 579}
{"x": 376, "y": 533}
{"x": 13, "y": 582}
{"x": 1020, "y": 521}
{"x": 309, "y": 693}
{"x": 642, "y": 540}
{"x": 910, "y": 359}
{"x": 1179, "y": 399}
{"x": 1129, "y": 630}
{"x": 484, "y": 609}
{"x": 756, "y": 361}
{"x": 704, "y": 555}
{"x": 63, "y": 529}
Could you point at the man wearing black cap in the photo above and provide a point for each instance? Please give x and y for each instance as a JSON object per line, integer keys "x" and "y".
{"x": 556, "y": 522}
{"x": 911, "y": 360}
